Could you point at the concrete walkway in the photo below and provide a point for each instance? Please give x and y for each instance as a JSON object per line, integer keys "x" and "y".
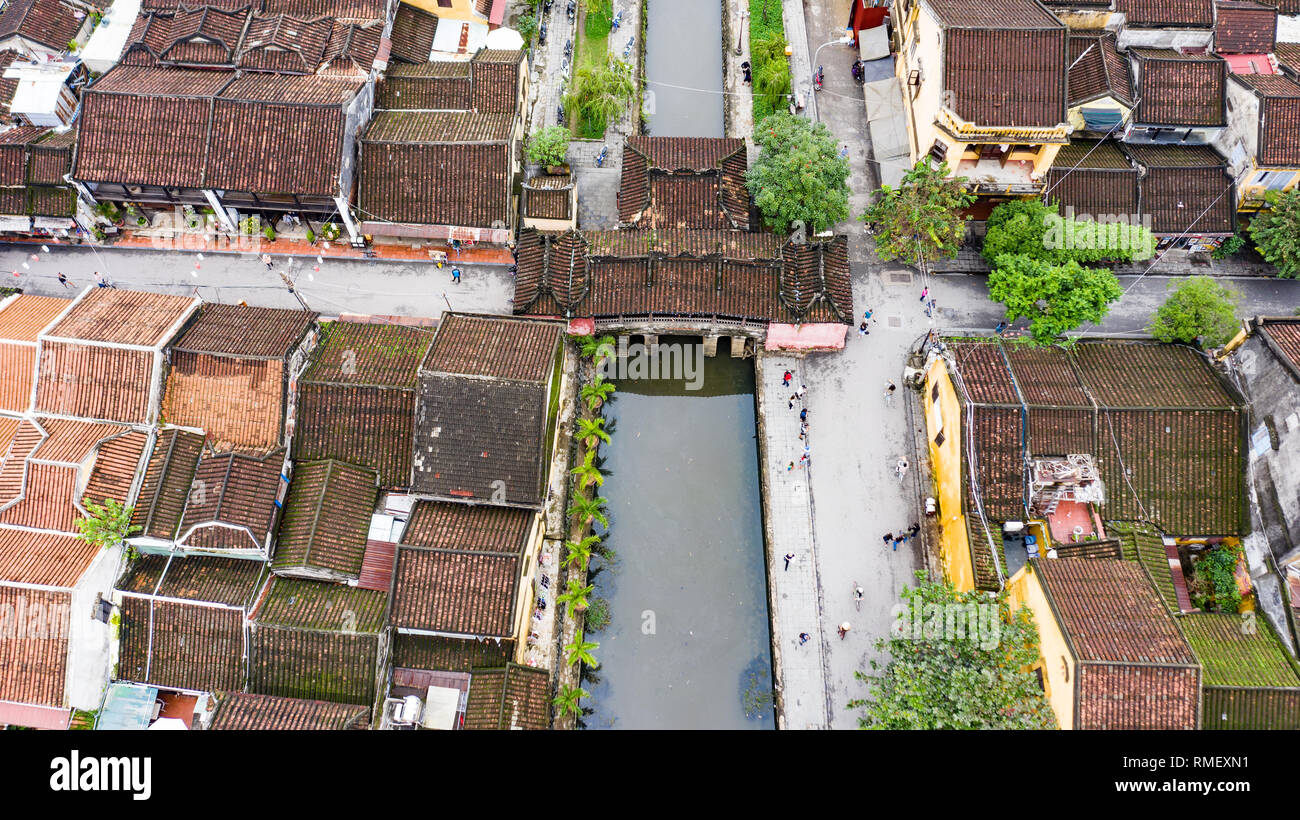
{"x": 795, "y": 593}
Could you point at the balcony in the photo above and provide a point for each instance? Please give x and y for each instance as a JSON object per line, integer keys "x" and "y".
{"x": 993, "y": 176}
{"x": 966, "y": 131}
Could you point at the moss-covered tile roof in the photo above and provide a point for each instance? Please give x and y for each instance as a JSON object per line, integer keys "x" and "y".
{"x": 1238, "y": 651}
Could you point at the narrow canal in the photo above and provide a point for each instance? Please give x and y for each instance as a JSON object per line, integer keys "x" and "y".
{"x": 683, "y": 67}
{"x": 688, "y": 644}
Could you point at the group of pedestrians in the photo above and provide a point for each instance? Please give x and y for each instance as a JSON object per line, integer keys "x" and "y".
{"x": 902, "y": 537}
{"x": 866, "y": 320}
{"x": 798, "y": 395}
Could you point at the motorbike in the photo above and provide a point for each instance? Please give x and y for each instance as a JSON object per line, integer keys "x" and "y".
{"x": 857, "y": 71}
{"x": 818, "y": 78}
{"x": 618, "y": 21}
{"x": 559, "y": 113}
{"x": 546, "y": 7}
{"x": 627, "y": 49}
{"x": 541, "y": 35}
{"x": 571, "y": 10}
{"x": 600, "y": 158}
{"x": 568, "y": 49}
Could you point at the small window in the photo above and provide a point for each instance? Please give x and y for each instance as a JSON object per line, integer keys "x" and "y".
{"x": 939, "y": 439}
{"x": 934, "y": 393}
{"x": 939, "y": 151}
{"x": 444, "y": 4}
{"x": 1038, "y": 674}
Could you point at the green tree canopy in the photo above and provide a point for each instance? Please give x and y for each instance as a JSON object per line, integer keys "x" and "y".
{"x": 921, "y": 219}
{"x": 108, "y": 525}
{"x": 549, "y": 146}
{"x": 1198, "y": 307}
{"x": 799, "y": 176}
{"x": 946, "y": 683}
{"x": 1055, "y": 298}
{"x": 1276, "y": 232}
{"x": 770, "y": 71}
{"x": 1030, "y": 228}
{"x": 598, "y": 94}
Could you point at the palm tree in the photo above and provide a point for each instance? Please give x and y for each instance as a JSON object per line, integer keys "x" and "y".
{"x": 771, "y": 69}
{"x": 575, "y": 596}
{"x": 568, "y": 699}
{"x": 589, "y": 430}
{"x": 588, "y": 471}
{"x": 597, "y": 347}
{"x": 580, "y": 551}
{"x": 580, "y": 650}
{"x": 597, "y": 393}
{"x": 589, "y": 509}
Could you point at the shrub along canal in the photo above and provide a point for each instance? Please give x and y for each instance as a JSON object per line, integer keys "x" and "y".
{"x": 688, "y": 643}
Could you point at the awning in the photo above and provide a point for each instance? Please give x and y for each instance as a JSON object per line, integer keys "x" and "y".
{"x": 35, "y": 717}
{"x": 821, "y": 336}
{"x": 127, "y": 707}
{"x": 886, "y": 119}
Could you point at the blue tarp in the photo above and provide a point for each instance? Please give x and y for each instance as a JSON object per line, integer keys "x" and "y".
{"x": 127, "y": 707}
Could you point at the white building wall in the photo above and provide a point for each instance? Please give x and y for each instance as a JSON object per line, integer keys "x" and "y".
{"x": 89, "y": 639}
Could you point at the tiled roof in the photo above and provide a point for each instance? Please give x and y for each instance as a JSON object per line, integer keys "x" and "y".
{"x": 494, "y": 347}
{"x": 246, "y": 332}
{"x": 413, "y": 32}
{"x": 353, "y": 49}
{"x": 21, "y": 319}
{"x": 1179, "y": 89}
{"x": 1094, "y": 180}
{"x": 243, "y": 712}
{"x": 1097, "y": 69}
{"x": 452, "y": 654}
{"x": 478, "y": 438}
{"x": 44, "y": 559}
{"x": 277, "y": 42}
{"x": 339, "y": 9}
{"x": 1244, "y": 28}
{"x": 496, "y": 81}
{"x": 1288, "y": 54}
{"x": 516, "y": 697}
{"x": 181, "y": 645}
{"x": 414, "y": 168}
{"x": 548, "y": 197}
{"x": 684, "y": 182}
{"x": 127, "y": 317}
{"x": 442, "y": 85}
{"x": 231, "y": 504}
{"x": 1168, "y": 445}
{"x": 1236, "y": 709}
{"x": 322, "y": 607}
{"x": 233, "y": 582}
{"x": 1232, "y": 655}
{"x": 166, "y": 485}
{"x": 34, "y": 670}
{"x": 326, "y": 520}
{"x": 47, "y": 22}
{"x": 1283, "y": 336}
{"x": 1010, "y": 14}
{"x": 334, "y": 666}
{"x": 1167, "y": 13}
{"x": 1136, "y": 671}
{"x": 695, "y": 273}
{"x": 1279, "y": 118}
{"x": 1029, "y": 91}
{"x": 1185, "y": 188}
{"x": 356, "y": 403}
{"x": 468, "y": 527}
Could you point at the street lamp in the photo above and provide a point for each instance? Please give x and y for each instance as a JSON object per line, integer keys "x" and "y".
{"x": 741, "y": 36}
{"x": 846, "y": 40}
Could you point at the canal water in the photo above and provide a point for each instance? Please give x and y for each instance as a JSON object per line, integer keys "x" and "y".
{"x": 683, "y": 67}
{"x": 688, "y": 641}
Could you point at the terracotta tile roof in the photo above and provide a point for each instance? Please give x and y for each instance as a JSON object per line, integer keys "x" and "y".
{"x": 181, "y": 645}
{"x": 1167, "y": 13}
{"x": 413, "y": 32}
{"x": 7, "y": 85}
{"x": 1279, "y": 118}
{"x": 165, "y": 488}
{"x": 697, "y": 273}
{"x": 468, "y": 527}
{"x": 233, "y": 582}
{"x": 232, "y": 502}
{"x": 1283, "y": 337}
{"x": 377, "y": 565}
{"x": 356, "y": 403}
{"x": 1136, "y": 670}
{"x": 279, "y": 42}
{"x": 415, "y": 169}
{"x": 1179, "y": 89}
{"x": 1094, "y": 179}
{"x": 1029, "y": 92}
{"x": 47, "y": 22}
{"x": 1233, "y": 656}
{"x": 339, "y": 9}
{"x": 21, "y": 319}
{"x": 1244, "y": 28}
{"x": 335, "y": 666}
{"x": 548, "y": 197}
{"x": 117, "y": 462}
{"x": 1288, "y": 54}
{"x": 352, "y": 49}
{"x": 496, "y": 74}
{"x": 1097, "y": 69}
{"x": 326, "y": 521}
{"x": 35, "y": 670}
{"x": 468, "y": 593}
{"x": 204, "y": 36}
{"x": 441, "y": 85}
{"x": 1168, "y": 445}
{"x": 322, "y": 607}
{"x": 494, "y": 347}
{"x": 1235, "y": 709}
{"x": 127, "y": 317}
{"x": 1185, "y": 188}
{"x": 13, "y": 153}
{"x": 246, "y": 332}
{"x": 452, "y": 654}
{"x": 684, "y": 182}
{"x": 44, "y": 559}
{"x": 244, "y": 712}
{"x": 515, "y": 697}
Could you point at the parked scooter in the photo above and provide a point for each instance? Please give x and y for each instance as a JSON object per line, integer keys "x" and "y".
{"x": 600, "y": 158}
{"x": 857, "y": 71}
{"x": 627, "y": 49}
{"x": 568, "y": 49}
{"x": 541, "y": 35}
{"x": 618, "y": 21}
{"x": 546, "y": 8}
{"x": 818, "y": 78}
{"x": 571, "y": 11}
{"x": 559, "y": 114}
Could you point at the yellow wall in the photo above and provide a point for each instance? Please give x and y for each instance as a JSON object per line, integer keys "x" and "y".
{"x": 1055, "y": 658}
{"x": 460, "y": 9}
{"x": 945, "y": 464}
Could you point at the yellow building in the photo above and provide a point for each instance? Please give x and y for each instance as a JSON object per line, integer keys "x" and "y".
{"x": 998, "y": 122}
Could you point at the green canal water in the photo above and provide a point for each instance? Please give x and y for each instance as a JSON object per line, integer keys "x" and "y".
{"x": 688, "y": 643}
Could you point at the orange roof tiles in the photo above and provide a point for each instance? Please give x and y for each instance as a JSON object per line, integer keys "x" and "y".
{"x": 41, "y": 558}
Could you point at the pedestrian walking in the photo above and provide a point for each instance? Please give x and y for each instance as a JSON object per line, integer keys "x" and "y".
{"x": 63, "y": 280}
{"x": 798, "y": 394}
{"x": 913, "y": 530}
{"x": 889, "y": 538}
{"x": 803, "y": 459}
{"x": 1001, "y": 327}
{"x": 866, "y": 316}
{"x": 890, "y": 388}
{"x": 455, "y": 275}
{"x": 792, "y": 398}
{"x": 900, "y": 468}
{"x": 843, "y": 630}
{"x": 790, "y": 467}
{"x": 899, "y": 539}
{"x": 266, "y": 260}
{"x": 789, "y": 556}
{"x": 803, "y": 431}
{"x": 785, "y": 379}
{"x": 844, "y": 152}
{"x": 803, "y": 414}
{"x": 803, "y": 638}
{"x": 862, "y": 330}
{"x": 925, "y": 291}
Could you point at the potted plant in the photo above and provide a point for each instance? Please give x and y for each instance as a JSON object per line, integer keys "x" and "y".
{"x": 269, "y": 233}
{"x": 549, "y": 147}
{"x": 311, "y": 237}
